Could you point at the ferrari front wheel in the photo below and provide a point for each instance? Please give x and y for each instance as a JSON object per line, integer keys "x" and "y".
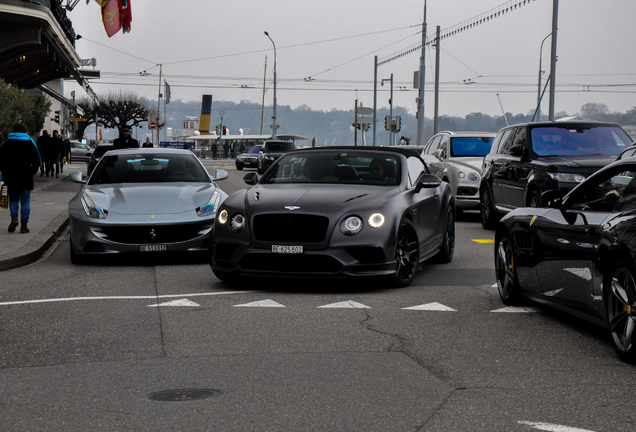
{"x": 407, "y": 254}
{"x": 505, "y": 272}
{"x": 620, "y": 304}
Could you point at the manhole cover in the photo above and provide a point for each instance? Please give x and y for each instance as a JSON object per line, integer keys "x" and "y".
{"x": 183, "y": 395}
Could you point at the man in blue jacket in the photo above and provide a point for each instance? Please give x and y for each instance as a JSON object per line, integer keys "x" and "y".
{"x": 19, "y": 161}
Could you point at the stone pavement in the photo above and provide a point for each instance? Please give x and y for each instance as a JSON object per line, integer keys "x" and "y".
{"x": 49, "y": 218}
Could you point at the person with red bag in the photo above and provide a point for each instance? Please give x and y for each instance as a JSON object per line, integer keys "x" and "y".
{"x": 19, "y": 162}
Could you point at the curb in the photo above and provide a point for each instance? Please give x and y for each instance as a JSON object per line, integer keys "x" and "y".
{"x": 36, "y": 247}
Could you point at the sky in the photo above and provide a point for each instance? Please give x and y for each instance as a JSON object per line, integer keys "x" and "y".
{"x": 325, "y": 53}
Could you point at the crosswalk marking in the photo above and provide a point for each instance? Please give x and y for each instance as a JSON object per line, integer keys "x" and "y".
{"x": 261, "y": 303}
{"x": 431, "y": 307}
{"x": 346, "y": 304}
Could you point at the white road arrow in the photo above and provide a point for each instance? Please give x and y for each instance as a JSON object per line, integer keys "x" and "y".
{"x": 181, "y": 302}
{"x": 431, "y": 307}
{"x": 345, "y": 304}
{"x": 512, "y": 309}
{"x": 552, "y": 427}
{"x": 261, "y": 303}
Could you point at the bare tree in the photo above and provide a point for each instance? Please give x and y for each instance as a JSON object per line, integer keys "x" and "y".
{"x": 117, "y": 110}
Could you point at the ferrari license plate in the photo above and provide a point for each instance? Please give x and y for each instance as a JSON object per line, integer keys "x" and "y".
{"x": 287, "y": 249}
{"x": 153, "y": 248}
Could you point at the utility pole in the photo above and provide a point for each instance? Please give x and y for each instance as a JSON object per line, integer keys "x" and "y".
{"x": 159, "y": 104}
{"x": 436, "y": 115}
{"x": 553, "y": 56}
{"x": 355, "y": 125}
{"x": 420, "y": 99}
{"x": 375, "y": 95}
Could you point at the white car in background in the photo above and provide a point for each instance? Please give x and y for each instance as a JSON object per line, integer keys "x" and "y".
{"x": 456, "y": 158}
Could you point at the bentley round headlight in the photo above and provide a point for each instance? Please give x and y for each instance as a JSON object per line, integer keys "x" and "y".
{"x": 222, "y": 217}
{"x": 351, "y": 225}
{"x": 237, "y": 223}
{"x": 473, "y": 177}
{"x": 376, "y": 220}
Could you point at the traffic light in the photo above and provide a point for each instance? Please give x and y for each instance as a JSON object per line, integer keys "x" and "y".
{"x": 57, "y": 117}
{"x": 224, "y": 130}
{"x": 218, "y": 129}
{"x": 398, "y": 123}
{"x": 387, "y": 123}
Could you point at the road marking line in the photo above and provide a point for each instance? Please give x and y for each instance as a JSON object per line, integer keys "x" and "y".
{"x": 431, "y": 307}
{"x": 120, "y": 298}
{"x": 181, "y": 302}
{"x": 345, "y": 304}
{"x": 513, "y": 309}
{"x": 483, "y": 240}
{"x": 552, "y": 427}
{"x": 261, "y": 303}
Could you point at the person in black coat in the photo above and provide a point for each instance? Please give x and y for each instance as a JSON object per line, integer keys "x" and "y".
{"x": 57, "y": 149}
{"x": 43, "y": 148}
{"x": 19, "y": 161}
{"x": 125, "y": 140}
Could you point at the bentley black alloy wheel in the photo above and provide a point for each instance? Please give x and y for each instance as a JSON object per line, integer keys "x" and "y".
{"x": 407, "y": 254}
{"x": 621, "y": 310}
{"x": 445, "y": 255}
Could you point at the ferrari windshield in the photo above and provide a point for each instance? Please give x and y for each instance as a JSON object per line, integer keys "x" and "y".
{"x": 147, "y": 167}
{"x": 470, "y": 146}
{"x": 355, "y": 167}
{"x": 579, "y": 141}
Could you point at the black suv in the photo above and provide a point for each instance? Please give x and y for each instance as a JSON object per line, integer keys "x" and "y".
{"x": 528, "y": 159}
{"x": 271, "y": 151}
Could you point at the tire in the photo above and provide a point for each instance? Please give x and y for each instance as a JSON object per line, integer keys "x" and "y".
{"x": 407, "y": 255}
{"x": 226, "y": 277}
{"x": 489, "y": 216}
{"x": 445, "y": 255}
{"x": 239, "y": 167}
{"x": 620, "y": 306}
{"x": 534, "y": 199}
{"x": 259, "y": 170}
{"x": 507, "y": 281}
{"x": 77, "y": 259}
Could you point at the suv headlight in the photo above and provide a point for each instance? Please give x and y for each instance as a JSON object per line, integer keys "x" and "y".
{"x": 91, "y": 210}
{"x": 211, "y": 206}
{"x": 351, "y": 226}
{"x": 567, "y": 177}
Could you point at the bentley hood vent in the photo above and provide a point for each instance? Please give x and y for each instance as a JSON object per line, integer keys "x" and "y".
{"x": 355, "y": 197}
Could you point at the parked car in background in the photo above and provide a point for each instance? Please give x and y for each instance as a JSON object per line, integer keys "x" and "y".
{"x": 577, "y": 253}
{"x": 80, "y": 152}
{"x": 528, "y": 159}
{"x": 96, "y": 156}
{"x": 145, "y": 200}
{"x": 271, "y": 151}
{"x": 335, "y": 212}
{"x": 248, "y": 159}
{"x": 456, "y": 158}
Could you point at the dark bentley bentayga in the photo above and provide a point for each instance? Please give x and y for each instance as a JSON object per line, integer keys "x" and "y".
{"x": 336, "y": 212}
{"x": 578, "y": 253}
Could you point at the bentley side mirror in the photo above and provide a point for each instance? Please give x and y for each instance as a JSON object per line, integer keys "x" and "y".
{"x": 427, "y": 181}
{"x": 251, "y": 178}
{"x": 439, "y": 154}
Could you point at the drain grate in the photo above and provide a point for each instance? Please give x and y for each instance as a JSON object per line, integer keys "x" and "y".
{"x": 183, "y": 395}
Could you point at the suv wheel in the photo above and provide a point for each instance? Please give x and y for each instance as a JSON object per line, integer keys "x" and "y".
{"x": 489, "y": 216}
{"x": 534, "y": 199}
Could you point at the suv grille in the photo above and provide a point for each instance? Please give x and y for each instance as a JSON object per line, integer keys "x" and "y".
{"x": 290, "y": 228}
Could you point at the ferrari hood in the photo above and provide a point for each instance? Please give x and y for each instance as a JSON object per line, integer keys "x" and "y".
{"x": 317, "y": 199}
{"x": 141, "y": 199}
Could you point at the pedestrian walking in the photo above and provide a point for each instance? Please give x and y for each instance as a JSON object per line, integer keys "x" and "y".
{"x": 226, "y": 149}
{"x": 43, "y": 148}
{"x": 214, "y": 149}
{"x": 57, "y": 148}
{"x": 125, "y": 140}
{"x": 66, "y": 154}
{"x": 19, "y": 162}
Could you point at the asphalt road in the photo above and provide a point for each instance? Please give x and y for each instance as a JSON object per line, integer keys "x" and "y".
{"x": 88, "y": 347}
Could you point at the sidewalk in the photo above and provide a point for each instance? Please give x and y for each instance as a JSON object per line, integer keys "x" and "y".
{"x": 49, "y": 218}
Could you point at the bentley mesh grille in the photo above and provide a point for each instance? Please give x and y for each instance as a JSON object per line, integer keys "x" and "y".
{"x": 290, "y": 228}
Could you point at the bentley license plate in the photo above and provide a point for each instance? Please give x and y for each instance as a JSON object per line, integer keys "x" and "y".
{"x": 287, "y": 249}
{"x": 153, "y": 248}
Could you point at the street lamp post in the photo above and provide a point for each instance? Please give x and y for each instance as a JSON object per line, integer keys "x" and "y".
{"x": 391, "y": 133}
{"x": 540, "y": 73}
{"x": 274, "y": 124}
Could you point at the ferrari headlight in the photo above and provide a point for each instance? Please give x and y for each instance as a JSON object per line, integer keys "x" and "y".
{"x": 567, "y": 177}
{"x": 211, "y": 206}
{"x": 222, "y": 218}
{"x": 376, "y": 220}
{"x": 91, "y": 210}
{"x": 351, "y": 225}
{"x": 237, "y": 223}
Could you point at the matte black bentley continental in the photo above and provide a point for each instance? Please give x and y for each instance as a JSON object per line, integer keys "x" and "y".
{"x": 336, "y": 212}
{"x": 578, "y": 254}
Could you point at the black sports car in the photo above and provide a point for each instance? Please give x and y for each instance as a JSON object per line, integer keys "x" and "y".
{"x": 578, "y": 254}
{"x": 336, "y": 212}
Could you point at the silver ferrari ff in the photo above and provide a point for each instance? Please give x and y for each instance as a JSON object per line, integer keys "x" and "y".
{"x": 145, "y": 200}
